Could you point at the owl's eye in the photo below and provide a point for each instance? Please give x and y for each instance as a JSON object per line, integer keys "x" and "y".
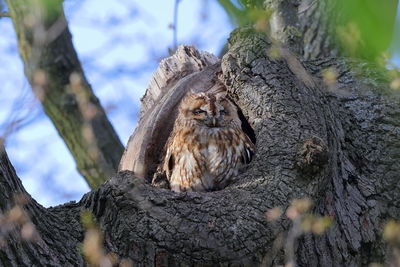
{"x": 223, "y": 112}
{"x": 198, "y": 111}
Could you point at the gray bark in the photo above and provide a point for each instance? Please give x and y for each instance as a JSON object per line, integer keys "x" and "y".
{"x": 353, "y": 177}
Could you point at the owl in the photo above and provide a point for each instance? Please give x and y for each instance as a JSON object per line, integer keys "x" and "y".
{"x": 207, "y": 146}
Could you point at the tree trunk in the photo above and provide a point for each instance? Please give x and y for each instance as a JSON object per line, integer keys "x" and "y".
{"x": 336, "y": 145}
{"x": 53, "y": 69}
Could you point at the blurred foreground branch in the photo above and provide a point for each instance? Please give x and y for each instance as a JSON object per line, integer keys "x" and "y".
{"x": 57, "y": 79}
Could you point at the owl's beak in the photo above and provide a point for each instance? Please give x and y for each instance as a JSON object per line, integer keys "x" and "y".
{"x": 214, "y": 121}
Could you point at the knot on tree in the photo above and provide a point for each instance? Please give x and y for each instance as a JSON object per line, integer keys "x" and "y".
{"x": 312, "y": 156}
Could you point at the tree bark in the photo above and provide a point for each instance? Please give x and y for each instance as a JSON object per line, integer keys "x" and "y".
{"x": 56, "y": 76}
{"x": 354, "y": 180}
{"x": 313, "y": 29}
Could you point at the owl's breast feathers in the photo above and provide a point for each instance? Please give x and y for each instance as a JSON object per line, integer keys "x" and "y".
{"x": 204, "y": 159}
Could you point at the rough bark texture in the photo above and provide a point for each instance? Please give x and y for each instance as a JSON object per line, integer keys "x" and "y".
{"x": 348, "y": 122}
{"x": 336, "y": 145}
{"x": 50, "y": 59}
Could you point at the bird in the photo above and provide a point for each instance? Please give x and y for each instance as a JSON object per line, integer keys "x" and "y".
{"x": 207, "y": 146}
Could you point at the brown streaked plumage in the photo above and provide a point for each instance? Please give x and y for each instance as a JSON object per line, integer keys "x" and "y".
{"x": 207, "y": 146}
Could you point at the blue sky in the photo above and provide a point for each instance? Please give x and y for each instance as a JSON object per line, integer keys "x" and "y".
{"x": 119, "y": 43}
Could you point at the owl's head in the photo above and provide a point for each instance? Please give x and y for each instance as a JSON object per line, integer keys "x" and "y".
{"x": 209, "y": 110}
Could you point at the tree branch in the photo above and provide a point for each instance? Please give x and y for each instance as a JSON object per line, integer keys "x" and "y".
{"x": 56, "y": 76}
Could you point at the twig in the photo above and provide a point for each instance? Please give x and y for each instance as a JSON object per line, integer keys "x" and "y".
{"x": 175, "y": 29}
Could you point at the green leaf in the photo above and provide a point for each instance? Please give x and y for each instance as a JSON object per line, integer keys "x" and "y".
{"x": 364, "y": 28}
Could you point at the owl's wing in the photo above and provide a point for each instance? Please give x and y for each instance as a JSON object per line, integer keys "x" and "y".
{"x": 169, "y": 162}
{"x": 248, "y": 152}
